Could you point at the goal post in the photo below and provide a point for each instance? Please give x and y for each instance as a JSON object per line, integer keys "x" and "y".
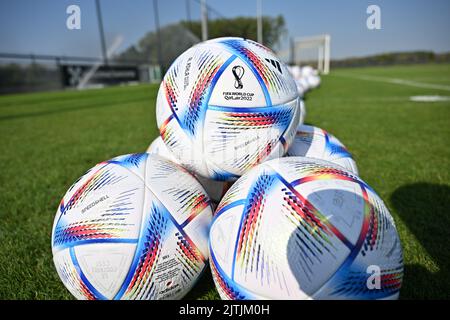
{"x": 314, "y": 50}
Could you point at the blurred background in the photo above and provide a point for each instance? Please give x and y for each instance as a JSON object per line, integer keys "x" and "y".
{"x": 60, "y": 44}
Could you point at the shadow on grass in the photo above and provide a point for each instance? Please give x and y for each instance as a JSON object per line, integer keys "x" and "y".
{"x": 424, "y": 208}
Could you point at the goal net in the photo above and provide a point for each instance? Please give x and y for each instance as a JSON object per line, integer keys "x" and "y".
{"x": 313, "y": 51}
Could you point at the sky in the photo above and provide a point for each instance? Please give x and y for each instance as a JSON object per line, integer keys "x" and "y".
{"x": 39, "y": 26}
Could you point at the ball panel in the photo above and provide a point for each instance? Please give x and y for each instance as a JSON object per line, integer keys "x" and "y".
{"x": 185, "y": 198}
{"x": 182, "y": 147}
{"x": 237, "y": 192}
{"x": 334, "y": 147}
{"x": 339, "y": 201}
{"x": 105, "y": 265}
{"x": 187, "y": 86}
{"x": 158, "y": 147}
{"x": 223, "y": 237}
{"x": 198, "y": 231}
{"x": 207, "y": 70}
{"x": 179, "y": 191}
{"x": 103, "y": 209}
{"x": 302, "y": 113}
{"x": 237, "y": 86}
{"x": 167, "y": 261}
{"x": 135, "y": 163}
{"x": 237, "y": 139}
{"x": 316, "y": 246}
{"x": 214, "y": 189}
{"x": 348, "y": 164}
{"x": 161, "y": 261}
{"x": 269, "y": 224}
{"x": 227, "y": 288}
{"x": 275, "y": 80}
{"x": 71, "y": 277}
{"x": 182, "y": 110}
{"x": 143, "y": 281}
{"x": 102, "y": 206}
{"x": 309, "y": 142}
{"x": 314, "y": 142}
{"x": 333, "y": 191}
{"x": 288, "y": 135}
{"x": 380, "y": 251}
{"x": 168, "y": 96}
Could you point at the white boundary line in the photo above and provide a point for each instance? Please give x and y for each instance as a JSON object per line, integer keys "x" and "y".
{"x": 397, "y": 81}
{"x": 429, "y": 98}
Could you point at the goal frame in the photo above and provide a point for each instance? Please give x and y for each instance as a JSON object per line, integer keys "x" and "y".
{"x": 321, "y": 42}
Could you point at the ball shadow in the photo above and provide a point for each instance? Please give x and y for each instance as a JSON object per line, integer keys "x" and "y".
{"x": 424, "y": 209}
{"x": 309, "y": 260}
{"x": 204, "y": 288}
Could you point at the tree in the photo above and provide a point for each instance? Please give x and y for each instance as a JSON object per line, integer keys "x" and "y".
{"x": 177, "y": 38}
{"x": 244, "y": 27}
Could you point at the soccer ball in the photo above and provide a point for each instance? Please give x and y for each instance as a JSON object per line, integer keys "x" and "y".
{"x": 214, "y": 189}
{"x": 133, "y": 227}
{"x": 226, "y": 105}
{"x": 313, "y": 81}
{"x": 296, "y": 73}
{"x": 303, "y": 85}
{"x": 302, "y": 115}
{"x": 310, "y": 77}
{"x": 302, "y": 228}
{"x": 307, "y": 71}
{"x": 314, "y": 142}
{"x": 158, "y": 147}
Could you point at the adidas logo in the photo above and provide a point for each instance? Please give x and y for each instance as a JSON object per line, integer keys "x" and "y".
{"x": 275, "y": 64}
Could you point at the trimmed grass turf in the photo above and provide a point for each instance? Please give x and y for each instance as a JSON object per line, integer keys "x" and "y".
{"x": 49, "y": 139}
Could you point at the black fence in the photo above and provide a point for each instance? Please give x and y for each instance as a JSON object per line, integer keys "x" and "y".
{"x": 29, "y": 72}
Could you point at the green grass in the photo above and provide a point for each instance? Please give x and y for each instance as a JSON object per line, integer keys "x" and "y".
{"x": 49, "y": 139}
{"x": 431, "y": 73}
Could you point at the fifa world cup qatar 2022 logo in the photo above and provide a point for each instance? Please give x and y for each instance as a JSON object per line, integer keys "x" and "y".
{"x": 238, "y": 73}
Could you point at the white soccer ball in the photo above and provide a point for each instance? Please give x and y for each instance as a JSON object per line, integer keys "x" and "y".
{"x": 296, "y": 73}
{"x": 307, "y": 71}
{"x": 159, "y": 148}
{"x": 303, "y": 85}
{"x": 300, "y": 89}
{"x": 133, "y": 227}
{"x": 215, "y": 189}
{"x": 313, "y": 81}
{"x": 302, "y": 228}
{"x": 226, "y": 105}
{"x": 314, "y": 142}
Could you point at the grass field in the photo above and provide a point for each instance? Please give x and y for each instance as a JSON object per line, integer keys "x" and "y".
{"x": 402, "y": 150}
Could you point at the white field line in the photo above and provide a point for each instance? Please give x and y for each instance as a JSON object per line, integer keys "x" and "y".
{"x": 397, "y": 81}
{"x": 429, "y": 98}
